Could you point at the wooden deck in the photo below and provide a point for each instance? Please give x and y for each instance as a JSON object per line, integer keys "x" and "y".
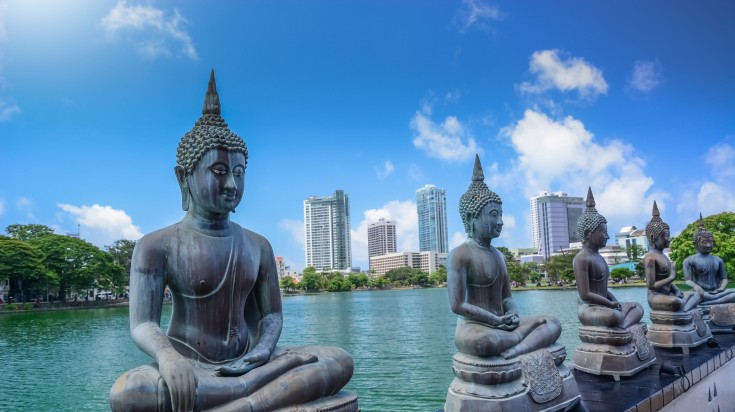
{"x": 648, "y": 390}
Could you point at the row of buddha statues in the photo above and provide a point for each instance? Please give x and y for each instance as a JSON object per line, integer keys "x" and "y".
{"x": 220, "y": 349}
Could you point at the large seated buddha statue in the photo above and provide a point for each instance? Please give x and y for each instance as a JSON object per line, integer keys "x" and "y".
{"x": 505, "y": 361}
{"x": 675, "y": 321}
{"x": 705, "y": 273}
{"x": 219, "y": 351}
{"x": 613, "y": 337}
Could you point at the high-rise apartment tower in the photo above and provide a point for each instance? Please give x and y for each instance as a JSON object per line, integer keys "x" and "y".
{"x": 431, "y": 207}
{"x": 554, "y": 218}
{"x": 327, "y": 231}
{"x": 381, "y": 237}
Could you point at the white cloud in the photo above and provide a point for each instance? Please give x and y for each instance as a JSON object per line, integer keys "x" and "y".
{"x": 572, "y": 74}
{"x": 475, "y": 12}
{"x": 457, "y": 239}
{"x": 450, "y": 140}
{"x": 102, "y": 225}
{"x": 296, "y": 229}
{"x": 384, "y": 171}
{"x": 564, "y": 154}
{"x": 717, "y": 193}
{"x": 154, "y": 32}
{"x": 403, "y": 212}
{"x": 2, "y": 206}
{"x": 646, "y": 75}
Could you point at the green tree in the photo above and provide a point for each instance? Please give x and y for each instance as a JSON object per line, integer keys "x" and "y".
{"x": 310, "y": 280}
{"x": 121, "y": 252}
{"x": 358, "y": 280}
{"x": 378, "y": 282}
{"x": 506, "y": 253}
{"x": 560, "y": 266}
{"x": 27, "y": 233}
{"x": 336, "y": 284}
{"x": 635, "y": 252}
{"x": 722, "y": 227}
{"x": 22, "y": 263}
{"x": 419, "y": 278}
{"x": 620, "y": 273}
{"x": 439, "y": 277}
{"x": 76, "y": 263}
{"x": 400, "y": 276}
{"x": 287, "y": 283}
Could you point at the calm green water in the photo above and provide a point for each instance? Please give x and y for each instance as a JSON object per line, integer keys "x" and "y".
{"x": 402, "y": 343}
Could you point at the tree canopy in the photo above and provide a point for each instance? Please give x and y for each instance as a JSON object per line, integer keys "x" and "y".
{"x": 722, "y": 227}
{"x": 23, "y": 265}
{"x": 29, "y": 232}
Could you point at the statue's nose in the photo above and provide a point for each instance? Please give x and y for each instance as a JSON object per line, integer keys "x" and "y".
{"x": 230, "y": 184}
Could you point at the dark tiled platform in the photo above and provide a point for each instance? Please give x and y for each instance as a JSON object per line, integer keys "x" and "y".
{"x": 649, "y": 390}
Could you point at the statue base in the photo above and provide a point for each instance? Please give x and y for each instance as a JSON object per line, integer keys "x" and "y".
{"x": 537, "y": 381}
{"x": 343, "y": 401}
{"x": 678, "y": 329}
{"x": 720, "y": 318}
{"x": 613, "y": 351}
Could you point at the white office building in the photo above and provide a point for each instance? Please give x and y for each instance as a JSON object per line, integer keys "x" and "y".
{"x": 431, "y": 207}
{"x": 427, "y": 261}
{"x": 327, "y": 232}
{"x": 381, "y": 237}
{"x": 554, "y": 218}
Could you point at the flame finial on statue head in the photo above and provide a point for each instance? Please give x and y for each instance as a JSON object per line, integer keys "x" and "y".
{"x": 476, "y": 196}
{"x": 590, "y": 219}
{"x": 656, "y": 225}
{"x": 209, "y": 132}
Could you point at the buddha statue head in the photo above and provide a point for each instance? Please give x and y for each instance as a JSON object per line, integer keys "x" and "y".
{"x": 481, "y": 203}
{"x": 704, "y": 241}
{"x": 592, "y": 226}
{"x": 657, "y": 230}
{"x": 225, "y": 154}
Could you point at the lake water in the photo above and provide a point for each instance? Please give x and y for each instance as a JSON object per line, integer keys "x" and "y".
{"x": 401, "y": 341}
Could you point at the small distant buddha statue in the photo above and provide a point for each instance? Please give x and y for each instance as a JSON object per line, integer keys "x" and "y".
{"x": 219, "y": 352}
{"x": 491, "y": 336}
{"x": 597, "y": 305}
{"x": 613, "y": 338}
{"x": 660, "y": 273}
{"x": 705, "y": 272}
{"x": 674, "y": 322}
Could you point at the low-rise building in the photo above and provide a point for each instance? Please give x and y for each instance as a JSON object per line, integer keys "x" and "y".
{"x": 427, "y": 261}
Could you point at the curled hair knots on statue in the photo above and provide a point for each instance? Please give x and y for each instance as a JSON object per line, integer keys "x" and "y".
{"x": 656, "y": 226}
{"x": 590, "y": 219}
{"x": 702, "y": 233}
{"x": 209, "y": 132}
{"x": 476, "y": 196}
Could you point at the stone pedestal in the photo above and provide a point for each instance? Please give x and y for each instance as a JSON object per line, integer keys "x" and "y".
{"x": 343, "y": 401}
{"x": 719, "y": 318}
{"x": 537, "y": 381}
{"x": 678, "y": 329}
{"x": 613, "y": 351}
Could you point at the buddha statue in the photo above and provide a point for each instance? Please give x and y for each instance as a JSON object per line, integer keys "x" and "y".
{"x": 675, "y": 323}
{"x": 491, "y": 336}
{"x": 706, "y": 275}
{"x": 219, "y": 352}
{"x": 663, "y": 294}
{"x": 613, "y": 339}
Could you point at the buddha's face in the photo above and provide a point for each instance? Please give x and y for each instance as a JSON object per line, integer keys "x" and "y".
{"x": 488, "y": 224}
{"x": 663, "y": 240}
{"x": 705, "y": 245}
{"x": 598, "y": 238}
{"x": 216, "y": 184}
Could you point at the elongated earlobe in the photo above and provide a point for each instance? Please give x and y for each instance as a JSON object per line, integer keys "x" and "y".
{"x": 185, "y": 193}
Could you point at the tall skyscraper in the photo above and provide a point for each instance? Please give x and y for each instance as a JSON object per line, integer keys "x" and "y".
{"x": 431, "y": 207}
{"x": 327, "y": 229}
{"x": 554, "y": 218}
{"x": 381, "y": 237}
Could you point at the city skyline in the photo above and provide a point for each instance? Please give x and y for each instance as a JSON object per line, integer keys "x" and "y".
{"x": 632, "y": 99}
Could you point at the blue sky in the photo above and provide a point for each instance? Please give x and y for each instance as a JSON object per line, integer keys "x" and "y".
{"x": 378, "y": 98}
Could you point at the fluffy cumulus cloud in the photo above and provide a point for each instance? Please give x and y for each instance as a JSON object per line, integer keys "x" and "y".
{"x": 296, "y": 229}
{"x": 715, "y": 194}
{"x": 562, "y": 154}
{"x": 646, "y": 75}
{"x": 552, "y": 72}
{"x": 154, "y": 33}
{"x": 449, "y": 140}
{"x": 403, "y": 212}
{"x": 476, "y": 13}
{"x": 385, "y": 170}
{"x": 102, "y": 225}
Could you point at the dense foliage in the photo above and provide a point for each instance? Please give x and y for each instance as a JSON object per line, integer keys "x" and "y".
{"x": 722, "y": 227}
